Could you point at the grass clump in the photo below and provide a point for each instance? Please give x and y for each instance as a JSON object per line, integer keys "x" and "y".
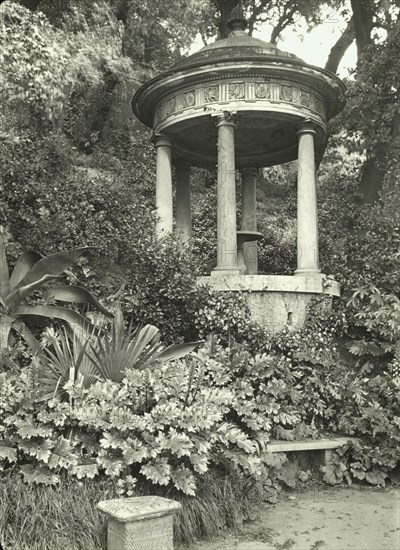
{"x": 35, "y": 517}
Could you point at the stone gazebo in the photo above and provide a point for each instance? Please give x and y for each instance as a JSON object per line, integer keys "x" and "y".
{"x": 242, "y": 103}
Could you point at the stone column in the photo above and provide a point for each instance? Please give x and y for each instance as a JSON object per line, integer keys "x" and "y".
{"x": 249, "y": 217}
{"x": 164, "y": 207}
{"x": 307, "y": 216}
{"x": 226, "y": 223}
{"x": 182, "y": 203}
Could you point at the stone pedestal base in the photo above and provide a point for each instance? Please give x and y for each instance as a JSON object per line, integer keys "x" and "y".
{"x": 140, "y": 523}
{"x": 275, "y": 301}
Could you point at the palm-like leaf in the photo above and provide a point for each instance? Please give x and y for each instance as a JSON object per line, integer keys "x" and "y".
{"x": 122, "y": 349}
{"x": 119, "y": 350}
{"x": 67, "y": 361}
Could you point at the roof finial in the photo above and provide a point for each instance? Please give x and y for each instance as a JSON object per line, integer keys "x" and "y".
{"x": 237, "y": 21}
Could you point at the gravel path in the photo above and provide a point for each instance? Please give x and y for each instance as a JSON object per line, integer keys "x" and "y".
{"x": 344, "y": 518}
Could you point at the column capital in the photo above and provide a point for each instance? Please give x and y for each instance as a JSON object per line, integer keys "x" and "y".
{"x": 249, "y": 171}
{"x": 161, "y": 140}
{"x": 225, "y": 118}
{"x": 306, "y": 127}
{"x": 182, "y": 165}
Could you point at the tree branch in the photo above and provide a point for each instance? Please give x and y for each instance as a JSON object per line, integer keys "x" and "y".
{"x": 339, "y": 49}
{"x": 284, "y": 20}
{"x": 256, "y": 11}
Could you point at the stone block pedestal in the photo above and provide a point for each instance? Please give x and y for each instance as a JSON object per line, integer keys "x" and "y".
{"x": 140, "y": 523}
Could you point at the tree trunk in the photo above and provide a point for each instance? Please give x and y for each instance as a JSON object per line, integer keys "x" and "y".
{"x": 225, "y": 8}
{"x": 363, "y": 24}
{"x": 30, "y": 4}
{"x": 375, "y": 167}
{"x": 276, "y": 31}
{"x": 339, "y": 49}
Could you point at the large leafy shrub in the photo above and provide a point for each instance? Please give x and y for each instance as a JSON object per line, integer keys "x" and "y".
{"x": 164, "y": 425}
{"x": 161, "y": 287}
{"x": 218, "y": 409}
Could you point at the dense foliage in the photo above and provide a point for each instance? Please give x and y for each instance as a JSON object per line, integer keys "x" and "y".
{"x": 169, "y": 424}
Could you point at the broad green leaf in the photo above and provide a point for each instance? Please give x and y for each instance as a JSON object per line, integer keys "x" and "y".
{"x": 85, "y": 471}
{"x": 77, "y": 294}
{"x": 112, "y": 466}
{"x": 4, "y": 279}
{"x": 41, "y": 451}
{"x": 199, "y": 462}
{"x": 63, "y": 455}
{"x": 55, "y": 312}
{"x": 184, "y": 480}
{"x": 23, "y": 265}
{"x": 8, "y": 453}
{"x": 16, "y": 296}
{"x": 157, "y": 471}
{"x": 179, "y": 443}
{"x": 39, "y": 474}
{"x": 54, "y": 264}
{"x": 177, "y": 351}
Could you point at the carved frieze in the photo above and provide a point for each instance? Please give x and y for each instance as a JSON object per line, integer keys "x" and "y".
{"x": 170, "y": 105}
{"x": 189, "y": 98}
{"x": 237, "y": 90}
{"x": 211, "y": 93}
{"x": 260, "y": 92}
{"x": 305, "y": 98}
{"x": 286, "y": 93}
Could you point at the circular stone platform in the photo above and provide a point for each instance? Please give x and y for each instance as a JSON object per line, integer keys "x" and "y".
{"x": 275, "y": 301}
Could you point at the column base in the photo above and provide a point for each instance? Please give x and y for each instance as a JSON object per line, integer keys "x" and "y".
{"x": 308, "y": 272}
{"x": 223, "y": 271}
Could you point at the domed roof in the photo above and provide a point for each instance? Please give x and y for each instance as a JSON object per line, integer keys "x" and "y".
{"x": 269, "y": 90}
{"x": 239, "y": 45}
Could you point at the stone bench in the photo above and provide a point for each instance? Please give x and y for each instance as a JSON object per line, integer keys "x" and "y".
{"x": 322, "y": 449}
